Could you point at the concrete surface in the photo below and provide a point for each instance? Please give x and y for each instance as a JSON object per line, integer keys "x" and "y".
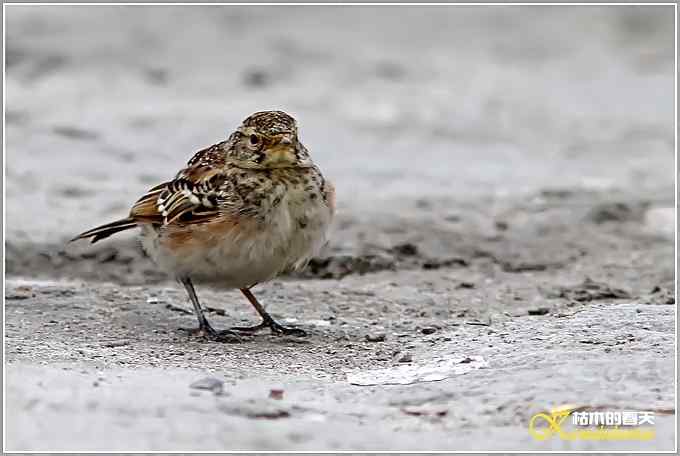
{"x": 505, "y": 226}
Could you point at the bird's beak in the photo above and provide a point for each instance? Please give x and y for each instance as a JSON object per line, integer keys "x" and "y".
{"x": 282, "y": 153}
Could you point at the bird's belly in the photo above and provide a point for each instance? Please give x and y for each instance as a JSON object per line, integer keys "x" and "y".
{"x": 241, "y": 256}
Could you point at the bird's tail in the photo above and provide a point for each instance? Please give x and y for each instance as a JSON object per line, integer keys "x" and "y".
{"x": 104, "y": 231}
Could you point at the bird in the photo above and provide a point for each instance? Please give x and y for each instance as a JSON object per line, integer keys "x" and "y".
{"x": 240, "y": 213}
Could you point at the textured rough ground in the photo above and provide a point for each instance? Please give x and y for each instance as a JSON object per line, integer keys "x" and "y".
{"x": 505, "y": 195}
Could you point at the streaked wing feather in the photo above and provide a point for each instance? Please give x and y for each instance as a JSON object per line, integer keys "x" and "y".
{"x": 199, "y": 193}
{"x": 146, "y": 208}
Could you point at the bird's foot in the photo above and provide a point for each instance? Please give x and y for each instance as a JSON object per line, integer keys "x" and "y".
{"x": 275, "y": 328}
{"x": 208, "y": 332}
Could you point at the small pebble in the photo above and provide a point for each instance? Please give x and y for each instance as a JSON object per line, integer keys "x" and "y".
{"x": 539, "y": 311}
{"x": 209, "y": 383}
{"x": 426, "y": 410}
{"x": 276, "y": 394}
{"x": 405, "y": 358}
{"x": 406, "y": 249}
{"x": 375, "y": 337}
{"x": 117, "y": 343}
{"x": 428, "y": 330}
{"x": 22, "y": 292}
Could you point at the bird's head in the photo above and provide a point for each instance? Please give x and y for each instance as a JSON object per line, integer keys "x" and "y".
{"x": 268, "y": 139}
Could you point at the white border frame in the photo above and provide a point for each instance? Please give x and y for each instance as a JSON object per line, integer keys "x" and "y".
{"x": 349, "y": 4}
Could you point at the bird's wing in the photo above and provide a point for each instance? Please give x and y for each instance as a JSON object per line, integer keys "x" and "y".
{"x": 199, "y": 193}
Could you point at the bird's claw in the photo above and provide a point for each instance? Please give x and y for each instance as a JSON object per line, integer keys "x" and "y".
{"x": 208, "y": 332}
{"x": 275, "y": 328}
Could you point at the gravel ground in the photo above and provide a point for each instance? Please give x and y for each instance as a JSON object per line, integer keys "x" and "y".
{"x": 504, "y": 241}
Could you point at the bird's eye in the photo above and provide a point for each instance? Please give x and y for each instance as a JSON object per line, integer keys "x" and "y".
{"x": 254, "y": 140}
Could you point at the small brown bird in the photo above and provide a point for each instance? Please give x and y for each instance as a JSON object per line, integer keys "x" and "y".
{"x": 240, "y": 213}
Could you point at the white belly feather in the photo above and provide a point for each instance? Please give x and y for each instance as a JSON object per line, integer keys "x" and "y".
{"x": 293, "y": 233}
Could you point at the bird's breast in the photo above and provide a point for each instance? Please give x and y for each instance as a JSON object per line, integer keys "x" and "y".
{"x": 287, "y": 228}
{"x": 299, "y": 224}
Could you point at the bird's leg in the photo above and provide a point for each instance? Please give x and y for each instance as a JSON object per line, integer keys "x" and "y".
{"x": 204, "y": 327}
{"x": 267, "y": 320}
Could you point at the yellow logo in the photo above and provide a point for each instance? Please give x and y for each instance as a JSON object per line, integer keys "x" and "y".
{"x": 602, "y": 425}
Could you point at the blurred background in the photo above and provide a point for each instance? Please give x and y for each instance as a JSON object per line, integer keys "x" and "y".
{"x": 397, "y": 104}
